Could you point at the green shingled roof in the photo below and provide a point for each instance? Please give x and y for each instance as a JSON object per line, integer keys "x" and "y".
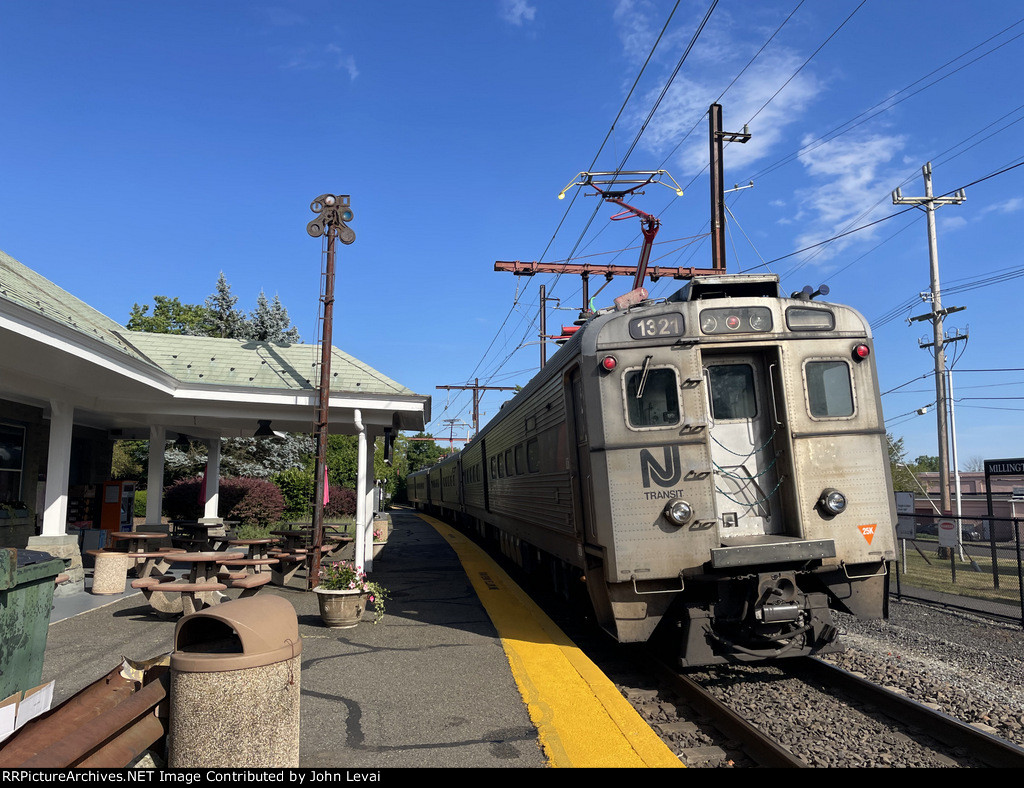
{"x": 21, "y": 285}
{"x": 234, "y": 362}
{"x": 194, "y": 360}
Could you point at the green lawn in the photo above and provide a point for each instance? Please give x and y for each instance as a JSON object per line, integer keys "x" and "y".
{"x": 973, "y": 580}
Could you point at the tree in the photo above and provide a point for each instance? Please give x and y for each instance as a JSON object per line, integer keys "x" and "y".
{"x": 423, "y": 452}
{"x": 974, "y": 463}
{"x": 903, "y": 479}
{"x": 270, "y": 322}
{"x": 224, "y": 320}
{"x": 169, "y": 316}
{"x": 926, "y": 463}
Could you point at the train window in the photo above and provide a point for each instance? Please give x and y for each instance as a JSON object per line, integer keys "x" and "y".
{"x": 652, "y": 397}
{"x": 510, "y": 469}
{"x": 494, "y": 468}
{"x": 520, "y": 460}
{"x": 732, "y": 391}
{"x": 829, "y": 389}
{"x": 532, "y": 456}
{"x": 800, "y": 319}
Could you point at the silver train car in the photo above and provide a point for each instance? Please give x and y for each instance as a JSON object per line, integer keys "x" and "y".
{"x": 713, "y": 467}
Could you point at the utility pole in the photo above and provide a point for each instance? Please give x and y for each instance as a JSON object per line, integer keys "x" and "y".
{"x": 544, "y": 325}
{"x": 334, "y": 212}
{"x": 476, "y": 388}
{"x": 716, "y": 138}
{"x": 452, "y": 423}
{"x": 928, "y": 203}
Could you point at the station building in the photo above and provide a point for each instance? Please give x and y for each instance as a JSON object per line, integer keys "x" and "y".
{"x": 73, "y": 381}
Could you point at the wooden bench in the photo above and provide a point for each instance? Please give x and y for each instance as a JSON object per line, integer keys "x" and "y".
{"x": 171, "y": 597}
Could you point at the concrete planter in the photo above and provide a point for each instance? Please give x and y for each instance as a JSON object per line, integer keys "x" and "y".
{"x": 341, "y": 609}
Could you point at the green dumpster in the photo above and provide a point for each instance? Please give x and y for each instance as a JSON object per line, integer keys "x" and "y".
{"x": 26, "y": 598}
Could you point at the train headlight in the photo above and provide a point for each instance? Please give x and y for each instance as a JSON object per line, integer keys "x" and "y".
{"x": 678, "y": 511}
{"x": 832, "y": 502}
{"x": 608, "y": 363}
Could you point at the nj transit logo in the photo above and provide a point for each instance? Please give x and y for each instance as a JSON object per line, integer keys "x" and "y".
{"x": 667, "y": 475}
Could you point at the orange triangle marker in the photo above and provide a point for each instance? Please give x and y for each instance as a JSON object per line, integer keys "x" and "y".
{"x": 867, "y": 531}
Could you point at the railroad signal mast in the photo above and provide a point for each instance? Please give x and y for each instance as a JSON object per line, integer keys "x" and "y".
{"x": 333, "y": 214}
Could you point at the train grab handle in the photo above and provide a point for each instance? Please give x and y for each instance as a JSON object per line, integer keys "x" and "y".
{"x": 638, "y": 592}
{"x": 883, "y": 573}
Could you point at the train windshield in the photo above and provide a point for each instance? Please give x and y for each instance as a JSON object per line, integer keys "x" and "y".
{"x": 829, "y": 392}
{"x": 652, "y": 397}
{"x": 732, "y": 391}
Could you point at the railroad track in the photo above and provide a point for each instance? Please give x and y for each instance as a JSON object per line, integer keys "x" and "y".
{"x": 985, "y": 747}
{"x": 758, "y": 746}
{"x": 762, "y": 749}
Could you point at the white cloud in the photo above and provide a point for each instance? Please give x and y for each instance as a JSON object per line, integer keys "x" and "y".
{"x": 636, "y": 28}
{"x": 951, "y": 223}
{"x": 313, "y": 58}
{"x": 343, "y": 61}
{"x": 517, "y": 12}
{"x": 1008, "y": 206}
{"x": 853, "y": 176}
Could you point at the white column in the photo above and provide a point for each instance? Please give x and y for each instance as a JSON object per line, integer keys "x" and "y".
{"x": 366, "y": 491}
{"x": 155, "y": 475}
{"x": 58, "y": 464}
{"x": 212, "y": 479}
{"x": 364, "y": 545}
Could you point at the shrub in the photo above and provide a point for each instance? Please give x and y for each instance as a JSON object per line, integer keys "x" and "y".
{"x": 296, "y": 486}
{"x": 341, "y": 502}
{"x": 140, "y": 504}
{"x": 249, "y": 501}
{"x": 182, "y": 501}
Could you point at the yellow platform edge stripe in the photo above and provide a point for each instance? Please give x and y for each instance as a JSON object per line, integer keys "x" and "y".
{"x": 581, "y": 717}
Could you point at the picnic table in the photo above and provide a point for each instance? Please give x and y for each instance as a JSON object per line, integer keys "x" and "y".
{"x": 202, "y": 588}
{"x": 259, "y": 558}
{"x": 134, "y": 542}
{"x": 195, "y": 536}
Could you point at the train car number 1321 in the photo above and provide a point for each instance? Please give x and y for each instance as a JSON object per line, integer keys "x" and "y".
{"x": 670, "y": 325}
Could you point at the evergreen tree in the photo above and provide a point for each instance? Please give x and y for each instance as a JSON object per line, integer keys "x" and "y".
{"x": 270, "y": 322}
{"x": 224, "y": 320}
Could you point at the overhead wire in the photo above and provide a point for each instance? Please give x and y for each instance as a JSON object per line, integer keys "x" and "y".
{"x": 636, "y": 139}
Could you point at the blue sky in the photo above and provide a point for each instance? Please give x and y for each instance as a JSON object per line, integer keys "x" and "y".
{"x": 147, "y": 147}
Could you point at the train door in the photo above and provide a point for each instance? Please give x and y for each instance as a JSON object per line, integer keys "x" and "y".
{"x": 580, "y": 455}
{"x": 742, "y": 429}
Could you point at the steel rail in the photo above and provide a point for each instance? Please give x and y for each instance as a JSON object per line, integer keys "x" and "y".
{"x": 759, "y": 746}
{"x": 991, "y": 750}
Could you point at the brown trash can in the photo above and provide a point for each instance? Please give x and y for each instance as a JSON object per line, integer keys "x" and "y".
{"x": 235, "y": 686}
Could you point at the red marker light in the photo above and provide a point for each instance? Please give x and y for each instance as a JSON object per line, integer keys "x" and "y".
{"x": 608, "y": 363}
{"x": 861, "y": 352}
{"x": 732, "y": 322}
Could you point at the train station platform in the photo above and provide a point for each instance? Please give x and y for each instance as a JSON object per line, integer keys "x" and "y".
{"x": 464, "y": 671}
